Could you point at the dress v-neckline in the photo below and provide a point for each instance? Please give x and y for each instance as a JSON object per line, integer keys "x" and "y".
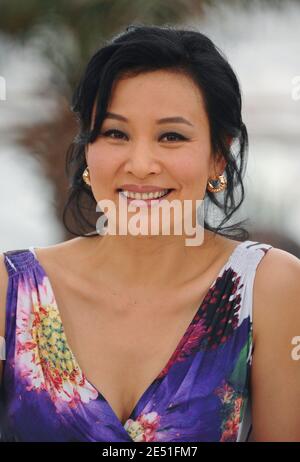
{"x": 32, "y": 249}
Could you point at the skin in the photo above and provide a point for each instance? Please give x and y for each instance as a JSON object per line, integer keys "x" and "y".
{"x": 275, "y": 379}
{"x": 145, "y": 271}
{"x": 141, "y": 155}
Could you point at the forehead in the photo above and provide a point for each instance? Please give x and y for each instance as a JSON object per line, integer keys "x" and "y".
{"x": 159, "y": 93}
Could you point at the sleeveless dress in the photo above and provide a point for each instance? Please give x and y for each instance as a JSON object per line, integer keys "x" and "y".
{"x": 202, "y": 393}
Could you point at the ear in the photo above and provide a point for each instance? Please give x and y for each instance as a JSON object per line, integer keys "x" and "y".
{"x": 221, "y": 165}
{"x": 218, "y": 166}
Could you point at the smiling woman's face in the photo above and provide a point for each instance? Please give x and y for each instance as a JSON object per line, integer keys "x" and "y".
{"x": 142, "y": 151}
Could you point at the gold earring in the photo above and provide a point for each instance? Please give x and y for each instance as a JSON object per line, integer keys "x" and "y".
{"x": 217, "y": 184}
{"x": 86, "y": 176}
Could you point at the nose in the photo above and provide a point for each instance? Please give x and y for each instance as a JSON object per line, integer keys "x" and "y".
{"x": 142, "y": 162}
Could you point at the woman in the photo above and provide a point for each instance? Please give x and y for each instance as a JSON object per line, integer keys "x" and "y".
{"x": 123, "y": 337}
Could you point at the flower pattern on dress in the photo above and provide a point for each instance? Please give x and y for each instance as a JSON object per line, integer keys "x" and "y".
{"x": 42, "y": 354}
{"x": 215, "y": 321}
{"x": 144, "y": 427}
{"x": 231, "y": 411}
{"x": 220, "y": 309}
{"x": 188, "y": 344}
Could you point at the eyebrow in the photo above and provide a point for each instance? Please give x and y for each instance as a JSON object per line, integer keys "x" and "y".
{"x": 176, "y": 120}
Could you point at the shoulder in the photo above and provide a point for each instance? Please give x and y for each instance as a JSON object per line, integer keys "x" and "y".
{"x": 63, "y": 251}
{"x": 60, "y": 262}
{"x": 276, "y": 324}
{"x": 277, "y": 283}
{"x": 276, "y": 291}
{"x": 52, "y": 254}
{"x": 277, "y": 260}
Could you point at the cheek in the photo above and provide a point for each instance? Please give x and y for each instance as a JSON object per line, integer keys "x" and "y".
{"x": 103, "y": 170}
{"x": 101, "y": 164}
{"x": 191, "y": 171}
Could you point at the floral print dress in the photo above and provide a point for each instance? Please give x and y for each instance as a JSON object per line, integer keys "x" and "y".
{"x": 202, "y": 393}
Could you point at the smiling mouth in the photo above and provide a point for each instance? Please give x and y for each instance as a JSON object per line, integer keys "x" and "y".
{"x": 145, "y": 199}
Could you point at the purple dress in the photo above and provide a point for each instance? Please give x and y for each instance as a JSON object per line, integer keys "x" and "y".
{"x": 202, "y": 393}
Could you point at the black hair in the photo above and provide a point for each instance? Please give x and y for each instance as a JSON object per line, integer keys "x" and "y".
{"x": 145, "y": 48}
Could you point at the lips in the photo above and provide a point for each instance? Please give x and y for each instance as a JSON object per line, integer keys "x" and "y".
{"x": 142, "y": 188}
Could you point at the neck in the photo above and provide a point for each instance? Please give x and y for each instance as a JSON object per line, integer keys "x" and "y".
{"x": 147, "y": 261}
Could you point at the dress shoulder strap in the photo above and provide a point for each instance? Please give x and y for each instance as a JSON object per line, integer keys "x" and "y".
{"x": 17, "y": 262}
{"x": 251, "y": 255}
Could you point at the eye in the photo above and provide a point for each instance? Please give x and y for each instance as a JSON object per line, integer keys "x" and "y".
{"x": 120, "y": 134}
{"x": 109, "y": 132}
{"x": 176, "y": 135}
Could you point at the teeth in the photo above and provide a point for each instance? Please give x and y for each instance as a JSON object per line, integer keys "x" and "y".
{"x": 145, "y": 196}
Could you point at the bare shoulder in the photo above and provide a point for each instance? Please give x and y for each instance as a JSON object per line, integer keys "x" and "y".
{"x": 61, "y": 248}
{"x": 277, "y": 279}
{"x": 62, "y": 254}
{"x": 65, "y": 263}
{"x": 276, "y": 289}
{"x": 276, "y": 323}
{"x": 278, "y": 260}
